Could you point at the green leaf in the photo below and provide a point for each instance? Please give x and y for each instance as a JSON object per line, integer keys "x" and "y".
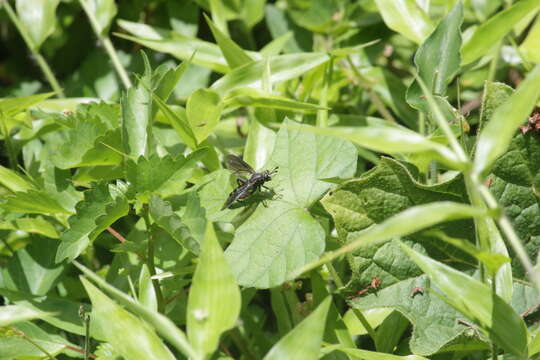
{"x": 214, "y": 297}
{"x": 284, "y": 236}
{"x": 136, "y": 116}
{"x": 437, "y": 59}
{"x": 183, "y": 17}
{"x": 497, "y": 134}
{"x": 390, "y": 139}
{"x": 37, "y": 225}
{"x": 494, "y": 30}
{"x": 11, "y": 314}
{"x": 147, "y": 293}
{"x": 282, "y": 67}
{"x": 259, "y": 144}
{"x": 257, "y": 98}
{"x": 178, "y": 120}
{"x": 154, "y": 174}
{"x": 12, "y": 106}
{"x": 38, "y": 18}
{"x": 161, "y": 323}
{"x": 495, "y": 94}
{"x": 101, "y": 13}
{"x": 316, "y": 15}
{"x": 203, "y": 123}
{"x": 32, "y": 269}
{"x": 530, "y": 47}
{"x": 14, "y": 346}
{"x": 233, "y": 53}
{"x": 182, "y": 47}
{"x": 476, "y": 301}
{"x": 372, "y": 355}
{"x": 113, "y": 321}
{"x": 407, "y": 18}
{"x": 304, "y": 341}
{"x": 13, "y": 181}
{"x": 279, "y": 24}
{"x": 34, "y": 202}
{"x": 162, "y": 213}
{"x": 102, "y": 206}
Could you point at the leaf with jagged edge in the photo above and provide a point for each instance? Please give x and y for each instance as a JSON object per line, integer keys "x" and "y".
{"x": 149, "y": 175}
{"x": 103, "y": 205}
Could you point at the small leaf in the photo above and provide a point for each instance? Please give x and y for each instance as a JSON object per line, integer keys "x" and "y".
{"x": 372, "y": 355}
{"x": 304, "y": 341}
{"x": 282, "y": 67}
{"x": 203, "y": 122}
{"x": 11, "y": 314}
{"x": 147, "y": 294}
{"x": 214, "y": 298}
{"x": 495, "y": 94}
{"x": 530, "y": 47}
{"x": 494, "y": 30}
{"x": 113, "y": 321}
{"x": 407, "y": 18}
{"x": 496, "y": 136}
{"x": 12, "y": 106}
{"x": 476, "y": 301}
{"x": 38, "y": 18}
{"x": 102, "y": 206}
{"x": 178, "y": 120}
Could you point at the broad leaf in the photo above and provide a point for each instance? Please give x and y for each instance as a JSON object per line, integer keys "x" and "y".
{"x": 530, "y": 47}
{"x": 113, "y": 321}
{"x": 304, "y": 341}
{"x": 279, "y": 238}
{"x": 13, "y": 345}
{"x": 497, "y": 134}
{"x": 476, "y": 301}
{"x": 214, "y": 298}
{"x": 37, "y": 225}
{"x": 203, "y": 122}
{"x": 13, "y": 181}
{"x": 11, "y": 314}
{"x": 102, "y": 206}
{"x": 101, "y": 13}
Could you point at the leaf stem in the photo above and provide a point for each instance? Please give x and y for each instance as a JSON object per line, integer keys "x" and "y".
{"x": 150, "y": 259}
{"x": 107, "y": 44}
{"x": 42, "y": 63}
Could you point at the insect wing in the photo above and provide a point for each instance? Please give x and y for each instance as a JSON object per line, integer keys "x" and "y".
{"x": 238, "y": 166}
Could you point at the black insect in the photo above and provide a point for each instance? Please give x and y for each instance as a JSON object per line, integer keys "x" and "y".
{"x": 249, "y": 181}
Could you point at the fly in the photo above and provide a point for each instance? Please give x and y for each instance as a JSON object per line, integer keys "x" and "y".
{"x": 249, "y": 181}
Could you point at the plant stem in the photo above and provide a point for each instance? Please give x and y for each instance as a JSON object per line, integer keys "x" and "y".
{"x": 356, "y": 312}
{"x": 322, "y": 115}
{"x": 9, "y": 145}
{"x": 45, "y": 68}
{"x": 107, "y": 44}
{"x": 150, "y": 259}
{"x": 375, "y": 99}
{"x": 41, "y": 348}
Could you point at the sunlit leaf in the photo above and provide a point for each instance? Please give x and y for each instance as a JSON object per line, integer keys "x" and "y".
{"x": 38, "y": 18}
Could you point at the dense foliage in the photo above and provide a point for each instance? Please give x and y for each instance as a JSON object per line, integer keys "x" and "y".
{"x": 403, "y": 221}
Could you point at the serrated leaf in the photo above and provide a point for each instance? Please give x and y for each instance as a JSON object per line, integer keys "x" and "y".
{"x": 11, "y": 314}
{"x": 406, "y": 17}
{"x": 476, "y": 301}
{"x": 282, "y": 67}
{"x": 304, "y": 341}
{"x": 113, "y": 320}
{"x": 496, "y": 136}
{"x": 38, "y": 18}
{"x": 102, "y": 205}
{"x": 437, "y": 59}
{"x": 279, "y": 238}
{"x": 150, "y": 175}
{"x": 494, "y": 29}
{"x": 214, "y": 298}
